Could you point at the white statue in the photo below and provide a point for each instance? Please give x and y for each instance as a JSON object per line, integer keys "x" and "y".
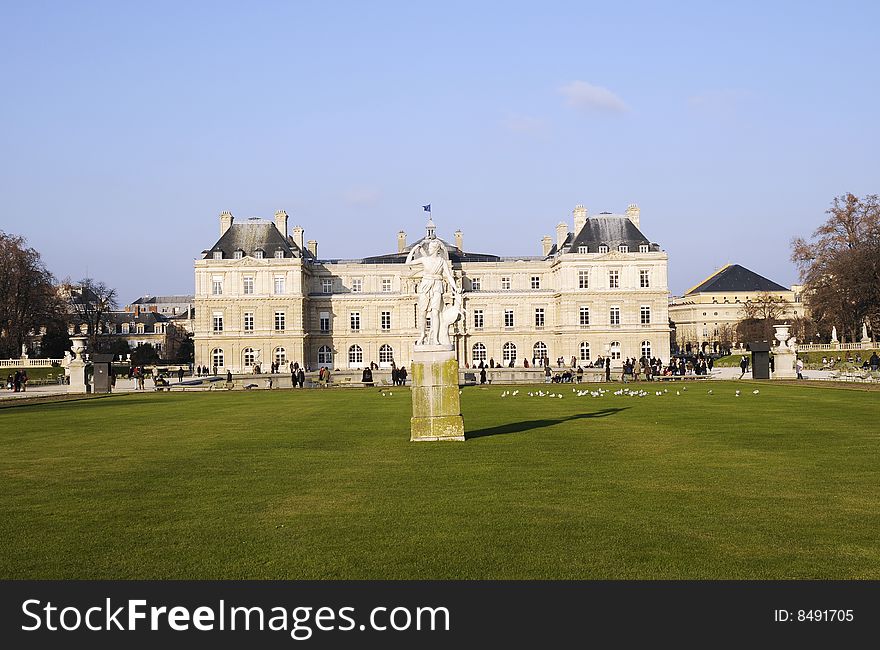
{"x": 433, "y": 258}
{"x": 834, "y": 334}
{"x": 449, "y": 316}
{"x": 865, "y": 338}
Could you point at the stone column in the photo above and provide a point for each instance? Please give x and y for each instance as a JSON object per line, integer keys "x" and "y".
{"x": 435, "y": 399}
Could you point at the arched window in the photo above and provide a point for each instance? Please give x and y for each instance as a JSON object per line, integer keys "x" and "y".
{"x": 615, "y": 349}
{"x": 325, "y": 356}
{"x": 478, "y": 352}
{"x": 249, "y": 357}
{"x": 508, "y": 352}
{"x": 355, "y": 355}
{"x": 217, "y": 358}
{"x": 386, "y": 354}
{"x": 280, "y": 356}
{"x": 539, "y": 351}
{"x": 585, "y": 351}
{"x": 646, "y": 349}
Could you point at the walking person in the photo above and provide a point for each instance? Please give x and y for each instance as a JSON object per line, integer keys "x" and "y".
{"x": 607, "y": 368}
{"x": 743, "y": 366}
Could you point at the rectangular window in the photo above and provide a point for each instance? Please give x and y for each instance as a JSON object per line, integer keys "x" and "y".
{"x": 505, "y": 283}
{"x": 324, "y": 320}
{"x": 475, "y": 284}
{"x": 603, "y": 249}
{"x": 643, "y": 248}
{"x": 614, "y": 316}
{"x": 355, "y": 320}
{"x": 584, "y": 316}
{"x": 279, "y": 255}
{"x": 539, "y": 317}
{"x": 386, "y": 285}
{"x": 536, "y": 282}
{"x": 645, "y": 315}
{"x": 478, "y": 319}
{"x": 258, "y": 254}
{"x": 238, "y": 255}
{"x": 217, "y": 287}
{"x": 279, "y": 321}
{"x": 279, "y": 284}
{"x": 508, "y": 318}
{"x": 357, "y": 285}
{"x": 583, "y": 279}
{"x": 623, "y": 248}
{"x": 613, "y": 279}
{"x": 385, "y": 320}
{"x": 248, "y": 321}
{"x": 248, "y": 287}
{"x": 644, "y": 279}
{"x": 326, "y": 285}
{"x": 218, "y": 323}
{"x": 218, "y": 255}
{"x": 582, "y": 249}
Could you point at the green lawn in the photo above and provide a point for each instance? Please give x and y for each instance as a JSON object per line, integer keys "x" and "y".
{"x": 325, "y": 484}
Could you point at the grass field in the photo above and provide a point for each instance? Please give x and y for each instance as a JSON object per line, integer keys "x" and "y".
{"x": 325, "y": 484}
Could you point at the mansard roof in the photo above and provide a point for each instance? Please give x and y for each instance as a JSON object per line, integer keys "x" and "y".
{"x": 153, "y": 300}
{"x": 605, "y": 229}
{"x": 735, "y": 278}
{"x": 456, "y": 255}
{"x": 255, "y": 235}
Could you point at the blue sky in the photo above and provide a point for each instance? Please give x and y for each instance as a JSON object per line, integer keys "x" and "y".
{"x": 128, "y": 127}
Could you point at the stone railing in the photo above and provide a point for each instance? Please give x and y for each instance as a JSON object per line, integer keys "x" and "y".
{"x": 29, "y": 363}
{"x": 833, "y": 347}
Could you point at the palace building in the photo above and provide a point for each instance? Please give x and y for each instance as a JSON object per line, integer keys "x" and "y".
{"x": 263, "y": 295}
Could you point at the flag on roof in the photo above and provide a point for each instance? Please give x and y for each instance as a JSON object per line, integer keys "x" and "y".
{"x": 426, "y": 208}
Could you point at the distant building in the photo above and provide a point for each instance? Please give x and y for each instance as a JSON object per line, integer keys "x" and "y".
{"x": 707, "y": 314}
{"x": 178, "y": 309}
{"x": 263, "y": 295}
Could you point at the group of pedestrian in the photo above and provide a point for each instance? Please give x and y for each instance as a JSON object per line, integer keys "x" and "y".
{"x": 202, "y": 371}
{"x": 398, "y": 375}
{"x": 17, "y": 382}
{"x": 297, "y": 375}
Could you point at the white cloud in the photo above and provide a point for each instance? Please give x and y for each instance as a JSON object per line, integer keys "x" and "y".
{"x": 584, "y": 96}
{"x": 524, "y": 124}
{"x": 363, "y": 196}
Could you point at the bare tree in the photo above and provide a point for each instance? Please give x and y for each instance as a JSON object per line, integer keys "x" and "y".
{"x": 90, "y": 303}
{"x": 765, "y": 306}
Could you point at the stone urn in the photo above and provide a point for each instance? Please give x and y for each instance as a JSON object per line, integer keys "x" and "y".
{"x": 782, "y": 334}
{"x": 78, "y": 345}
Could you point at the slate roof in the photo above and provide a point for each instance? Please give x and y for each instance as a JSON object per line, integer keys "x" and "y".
{"x": 735, "y": 278}
{"x": 253, "y": 235}
{"x": 153, "y": 300}
{"x": 605, "y": 229}
{"x": 456, "y": 256}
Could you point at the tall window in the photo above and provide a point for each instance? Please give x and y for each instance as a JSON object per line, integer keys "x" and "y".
{"x": 217, "y": 286}
{"x": 249, "y": 357}
{"x": 386, "y": 354}
{"x": 357, "y": 285}
{"x": 505, "y": 283}
{"x": 539, "y": 351}
{"x": 536, "y": 282}
{"x": 248, "y": 287}
{"x": 646, "y": 349}
{"x": 644, "y": 279}
{"x": 539, "y": 317}
{"x": 279, "y": 284}
{"x": 217, "y": 357}
{"x": 508, "y": 318}
{"x": 355, "y": 321}
{"x": 583, "y": 279}
{"x": 385, "y": 320}
{"x": 478, "y": 319}
{"x": 280, "y": 356}
{"x": 584, "y": 316}
{"x": 386, "y": 285}
{"x": 475, "y": 284}
{"x": 355, "y": 355}
{"x": 645, "y": 315}
{"x": 585, "y": 351}
{"x": 508, "y": 352}
{"x": 324, "y": 320}
{"x": 615, "y": 349}
{"x": 279, "y": 321}
{"x": 478, "y": 352}
{"x": 218, "y": 323}
{"x": 614, "y": 316}
{"x": 613, "y": 279}
{"x": 327, "y": 285}
{"x": 325, "y": 356}
{"x": 248, "y": 321}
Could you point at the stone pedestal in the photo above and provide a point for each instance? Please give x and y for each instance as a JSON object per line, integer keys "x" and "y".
{"x": 78, "y": 382}
{"x": 436, "y": 406}
{"x": 783, "y": 365}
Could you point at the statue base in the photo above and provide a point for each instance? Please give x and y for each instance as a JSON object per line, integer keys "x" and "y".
{"x": 435, "y": 399}
{"x": 784, "y": 365}
{"x": 78, "y": 383}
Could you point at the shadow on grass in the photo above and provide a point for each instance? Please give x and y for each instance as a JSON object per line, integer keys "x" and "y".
{"x": 528, "y": 425}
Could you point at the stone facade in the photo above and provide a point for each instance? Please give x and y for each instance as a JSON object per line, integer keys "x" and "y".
{"x": 261, "y": 296}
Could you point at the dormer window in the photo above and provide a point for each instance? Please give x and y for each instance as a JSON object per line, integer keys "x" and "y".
{"x": 279, "y": 255}
{"x": 623, "y": 248}
{"x": 583, "y": 249}
{"x": 238, "y": 254}
{"x": 258, "y": 254}
{"x": 643, "y": 248}
{"x": 603, "y": 248}
{"x": 218, "y": 255}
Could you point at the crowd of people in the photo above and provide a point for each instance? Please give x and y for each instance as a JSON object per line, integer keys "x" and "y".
{"x": 17, "y": 382}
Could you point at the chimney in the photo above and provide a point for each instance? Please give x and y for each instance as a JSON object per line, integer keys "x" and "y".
{"x": 580, "y": 217}
{"x": 281, "y": 222}
{"x": 459, "y": 240}
{"x": 401, "y": 241}
{"x": 313, "y": 248}
{"x": 298, "y": 236}
{"x": 546, "y": 245}
{"x": 226, "y": 219}
{"x": 561, "y": 234}
{"x": 632, "y": 212}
